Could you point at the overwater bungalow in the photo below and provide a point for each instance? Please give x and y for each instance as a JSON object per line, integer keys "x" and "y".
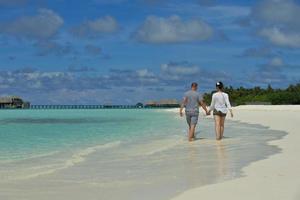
{"x": 164, "y": 103}
{"x": 13, "y": 102}
{"x": 139, "y": 105}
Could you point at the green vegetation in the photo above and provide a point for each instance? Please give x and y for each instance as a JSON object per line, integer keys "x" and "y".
{"x": 242, "y": 96}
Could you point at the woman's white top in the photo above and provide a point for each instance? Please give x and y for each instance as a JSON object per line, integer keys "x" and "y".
{"x": 220, "y": 102}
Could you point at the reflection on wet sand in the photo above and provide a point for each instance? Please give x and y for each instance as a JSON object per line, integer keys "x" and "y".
{"x": 205, "y": 167}
{"x": 222, "y": 158}
{"x": 191, "y": 169}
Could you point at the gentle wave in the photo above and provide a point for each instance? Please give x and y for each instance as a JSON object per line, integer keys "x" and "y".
{"x": 31, "y": 157}
{"x": 156, "y": 146}
{"x": 80, "y": 156}
{"x": 34, "y": 172}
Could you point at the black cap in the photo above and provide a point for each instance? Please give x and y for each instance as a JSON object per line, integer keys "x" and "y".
{"x": 194, "y": 84}
{"x": 219, "y": 85}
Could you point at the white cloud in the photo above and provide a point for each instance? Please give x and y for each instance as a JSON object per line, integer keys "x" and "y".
{"x": 276, "y": 12}
{"x": 93, "y": 50}
{"x": 96, "y": 28}
{"x": 174, "y": 71}
{"x": 172, "y": 30}
{"x": 271, "y": 72}
{"x": 178, "y": 69}
{"x": 44, "y": 25}
{"x": 278, "y": 22}
{"x": 45, "y": 48}
{"x": 280, "y": 37}
{"x": 144, "y": 73}
{"x": 277, "y": 62}
{"x": 258, "y": 52}
{"x": 29, "y": 83}
{"x": 12, "y": 2}
{"x": 231, "y": 11}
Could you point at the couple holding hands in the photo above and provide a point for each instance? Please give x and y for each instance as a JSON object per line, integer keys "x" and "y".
{"x": 220, "y": 105}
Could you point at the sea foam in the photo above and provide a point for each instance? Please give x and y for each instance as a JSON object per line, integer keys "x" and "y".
{"x": 50, "y": 168}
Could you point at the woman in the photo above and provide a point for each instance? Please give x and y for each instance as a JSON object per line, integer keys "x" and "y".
{"x": 220, "y": 105}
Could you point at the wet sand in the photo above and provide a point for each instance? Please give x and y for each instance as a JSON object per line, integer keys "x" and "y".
{"x": 275, "y": 178}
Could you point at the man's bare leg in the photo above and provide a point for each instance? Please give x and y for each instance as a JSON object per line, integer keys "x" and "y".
{"x": 192, "y": 132}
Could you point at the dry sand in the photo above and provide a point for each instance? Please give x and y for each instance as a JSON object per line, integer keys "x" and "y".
{"x": 275, "y": 178}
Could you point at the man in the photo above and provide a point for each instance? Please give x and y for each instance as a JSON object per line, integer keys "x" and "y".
{"x": 191, "y": 101}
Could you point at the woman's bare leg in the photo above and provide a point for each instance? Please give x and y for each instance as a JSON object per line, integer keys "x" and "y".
{"x": 218, "y": 126}
{"x": 222, "y": 122}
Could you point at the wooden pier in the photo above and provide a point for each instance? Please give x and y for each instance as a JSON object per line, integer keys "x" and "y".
{"x": 60, "y": 107}
{"x": 84, "y": 107}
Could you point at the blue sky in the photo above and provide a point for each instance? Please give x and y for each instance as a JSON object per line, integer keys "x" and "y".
{"x": 126, "y": 51}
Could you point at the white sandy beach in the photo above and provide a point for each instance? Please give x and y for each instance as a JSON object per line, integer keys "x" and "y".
{"x": 275, "y": 178}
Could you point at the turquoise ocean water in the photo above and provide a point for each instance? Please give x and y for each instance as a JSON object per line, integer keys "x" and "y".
{"x": 31, "y": 133}
{"x": 93, "y": 152}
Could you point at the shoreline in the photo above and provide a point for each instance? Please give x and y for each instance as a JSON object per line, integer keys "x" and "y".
{"x": 213, "y": 171}
{"x": 268, "y": 179}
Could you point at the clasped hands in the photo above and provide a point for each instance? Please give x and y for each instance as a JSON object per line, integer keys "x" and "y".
{"x": 206, "y": 112}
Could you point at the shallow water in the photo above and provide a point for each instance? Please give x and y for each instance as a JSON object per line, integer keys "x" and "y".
{"x": 91, "y": 154}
